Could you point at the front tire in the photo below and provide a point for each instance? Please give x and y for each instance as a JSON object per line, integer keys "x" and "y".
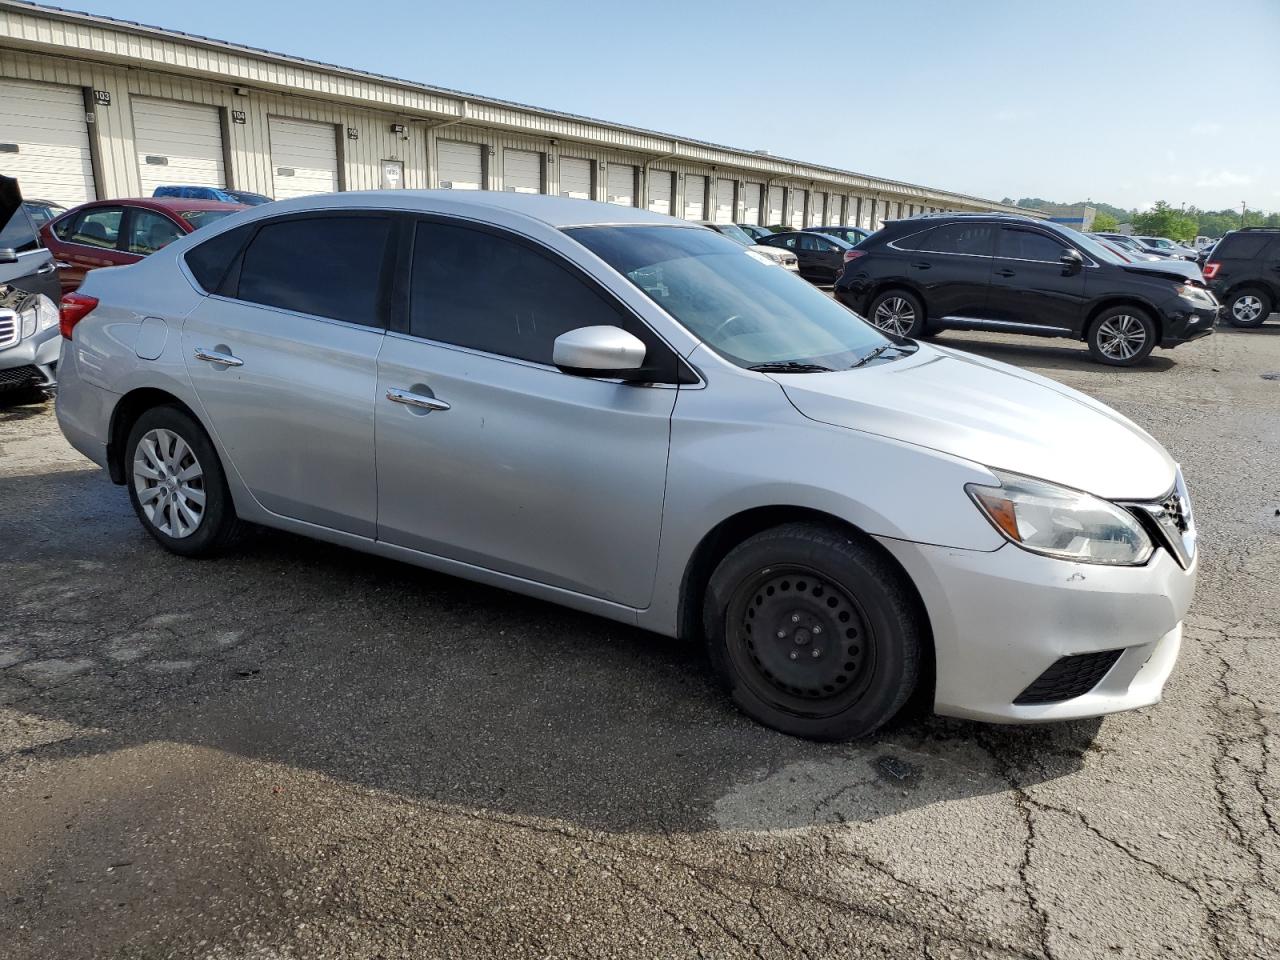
{"x": 1249, "y": 307}
{"x": 177, "y": 486}
{"x": 1121, "y": 336}
{"x": 813, "y": 632}
{"x": 898, "y": 313}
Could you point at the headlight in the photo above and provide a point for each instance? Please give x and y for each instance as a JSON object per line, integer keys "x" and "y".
{"x": 41, "y": 316}
{"x": 1062, "y": 523}
{"x": 1189, "y": 292}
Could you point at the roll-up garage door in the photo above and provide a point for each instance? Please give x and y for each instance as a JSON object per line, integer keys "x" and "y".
{"x": 724, "y": 200}
{"x": 775, "y": 207}
{"x": 459, "y": 166}
{"x": 797, "y": 209}
{"x": 835, "y": 210}
{"x": 622, "y": 184}
{"x": 575, "y": 178}
{"x": 44, "y": 141}
{"x": 304, "y": 157}
{"x": 695, "y": 197}
{"x": 660, "y": 191}
{"x": 521, "y": 171}
{"x": 178, "y": 143}
{"x": 818, "y": 209}
{"x": 751, "y": 203}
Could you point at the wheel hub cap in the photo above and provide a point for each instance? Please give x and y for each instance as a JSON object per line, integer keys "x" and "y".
{"x": 1247, "y": 308}
{"x": 894, "y": 315}
{"x": 169, "y": 483}
{"x": 1122, "y": 337}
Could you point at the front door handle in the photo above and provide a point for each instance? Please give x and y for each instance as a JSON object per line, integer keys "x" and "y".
{"x": 47, "y": 268}
{"x": 922, "y": 265}
{"x": 213, "y": 356}
{"x": 419, "y": 400}
{"x": 1006, "y": 272}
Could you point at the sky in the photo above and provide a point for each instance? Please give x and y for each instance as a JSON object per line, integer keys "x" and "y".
{"x": 1120, "y": 101}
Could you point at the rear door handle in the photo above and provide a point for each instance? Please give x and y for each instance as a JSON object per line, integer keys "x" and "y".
{"x": 411, "y": 399}
{"x": 213, "y": 356}
{"x": 47, "y": 268}
{"x": 1006, "y": 272}
{"x": 922, "y": 265}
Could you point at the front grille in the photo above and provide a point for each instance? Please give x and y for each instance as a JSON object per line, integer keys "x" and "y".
{"x": 1069, "y": 677}
{"x": 27, "y": 376}
{"x": 10, "y": 328}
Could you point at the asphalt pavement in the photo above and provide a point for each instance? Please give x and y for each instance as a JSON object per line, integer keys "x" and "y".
{"x": 299, "y": 751}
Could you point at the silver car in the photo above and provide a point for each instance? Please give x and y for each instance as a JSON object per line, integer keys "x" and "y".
{"x": 629, "y": 415}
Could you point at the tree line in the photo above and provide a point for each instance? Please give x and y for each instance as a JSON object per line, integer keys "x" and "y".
{"x": 1164, "y": 219}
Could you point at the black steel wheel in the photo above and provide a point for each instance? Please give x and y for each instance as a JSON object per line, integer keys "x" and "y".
{"x": 814, "y": 631}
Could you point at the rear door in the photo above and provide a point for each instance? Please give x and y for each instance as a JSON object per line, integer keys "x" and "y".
{"x": 1031, "y": 286}
{"x": 283, "y": 359}
{"x": 520, "y": 468}
{"x": 951, "y": 266}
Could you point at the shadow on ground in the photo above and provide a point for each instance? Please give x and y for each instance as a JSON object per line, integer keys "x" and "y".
{"x": 390, "y": 677}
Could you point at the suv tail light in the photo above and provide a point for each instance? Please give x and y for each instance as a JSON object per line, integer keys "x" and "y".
{"x": 75, "y": 307}
{"x": 1211, "y": 269}
{"x": 853, "y": 255}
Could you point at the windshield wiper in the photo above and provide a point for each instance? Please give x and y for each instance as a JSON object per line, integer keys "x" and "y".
{"x": 789, "y": 366}
{"x": 867, "y": 358}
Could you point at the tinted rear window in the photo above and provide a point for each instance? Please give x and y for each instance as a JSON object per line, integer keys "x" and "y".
{"x": 972, "y": 238}
{"x": 324, "y": 266}
{"x": 1241, "y": 246}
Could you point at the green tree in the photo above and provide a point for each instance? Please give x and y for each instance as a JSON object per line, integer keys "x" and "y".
{"x": 1163, "y": 220}
{"x": 1105, "y": 223}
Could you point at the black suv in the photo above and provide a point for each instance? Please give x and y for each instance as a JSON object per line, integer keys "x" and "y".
{"x": 1006, "y": 272}
{"x": 1244, "y": 271}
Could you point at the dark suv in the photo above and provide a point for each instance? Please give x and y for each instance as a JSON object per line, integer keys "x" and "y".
{"x": 1244, "y": 271}
{"x": 1011, "y": 273}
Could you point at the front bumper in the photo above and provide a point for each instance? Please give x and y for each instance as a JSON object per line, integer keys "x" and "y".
{"x": 1188, "y": 320}
{"x": 39, "y": 351}
{"x": 1001, "y": 619}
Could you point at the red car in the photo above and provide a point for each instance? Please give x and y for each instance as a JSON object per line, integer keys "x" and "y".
{"x": 108, "y": 233}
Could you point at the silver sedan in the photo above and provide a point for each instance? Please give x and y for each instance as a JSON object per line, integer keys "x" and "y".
{"x": 630, "y": 415}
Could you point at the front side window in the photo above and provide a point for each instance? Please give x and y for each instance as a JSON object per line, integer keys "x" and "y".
{"x": 749, "y": 312}
{"x": 99, "y": 227}
{"x": 325, "y": 266}
{"x": 477, "y": 289}
{"x": 149, "y": 231}
{"x": 1018, "y": 244}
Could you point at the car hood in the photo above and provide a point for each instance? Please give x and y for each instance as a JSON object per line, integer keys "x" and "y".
{"x": 10, "y": 199}
{"x": 993, "y": 414}
{"x": 1177, "y": 269}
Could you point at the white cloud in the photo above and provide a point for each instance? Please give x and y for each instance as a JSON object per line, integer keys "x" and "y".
{"x": 1222, "y": 178}
{"x": 1206, "y": 128}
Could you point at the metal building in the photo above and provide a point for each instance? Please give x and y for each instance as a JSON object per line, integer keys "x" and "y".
{"x": 92, "y": 107}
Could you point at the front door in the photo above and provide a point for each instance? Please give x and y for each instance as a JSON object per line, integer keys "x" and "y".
{"x": 1031, "y": 285}
{"x": 285, "y": 367}
{"x": 489, "y": 455}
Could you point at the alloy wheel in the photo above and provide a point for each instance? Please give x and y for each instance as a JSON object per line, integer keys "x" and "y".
{"x": 1121, "y": 337}
{"x": 169, "y": 483}
{"x": 1247, "y": 308}
{"x": 894, "y": 315}
{"x": 801, "y": 640}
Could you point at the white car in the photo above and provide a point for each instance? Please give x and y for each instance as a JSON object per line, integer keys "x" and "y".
{"x": 629, "y": 415}
{"x": 783, "y": 258}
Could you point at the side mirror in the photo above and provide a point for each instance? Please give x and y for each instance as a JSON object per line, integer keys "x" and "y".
{"x": 8, "y": 255}
{"x": 1071, "y": 257}
{"x": 602, "y": 351}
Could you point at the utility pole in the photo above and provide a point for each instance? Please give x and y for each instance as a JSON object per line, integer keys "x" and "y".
{"x": 1243, "y": 207}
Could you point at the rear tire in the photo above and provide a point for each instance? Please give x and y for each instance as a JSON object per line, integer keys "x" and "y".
{"x": 1249, "y": 307}
{"x": 1122, "y": 336}
{"x": 177, "y": 486}
{"x": 898, "y": 313}
{"x": 813, "y": 632}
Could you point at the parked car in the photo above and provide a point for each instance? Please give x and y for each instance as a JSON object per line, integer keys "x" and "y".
{"x": 1129, "y": 245}
{"x": 821, "y": 257}
{"x": 850, "y": 235}
{"x": 1244, "y": 271}
{"x": 755, "y": 231}
{"x": 109, "y": 233}
{"x": 1012, "y": 273}
{"x": 1189, "y": 270}
{"x": 29, "y": 291}
{"x": 1167, "y": 247}
{"x": 221, "y": 194}
{"x": 776, "y": 255}
{"x": 42, "y": 211}
{"x": 617, "y": 411}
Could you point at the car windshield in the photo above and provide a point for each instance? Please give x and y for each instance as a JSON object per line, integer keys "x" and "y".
{"x": 734, "y": 232}
{"x": 202, "y": 218}
{"x": 748, "y": 311}
{"x": 1087, "y": 243}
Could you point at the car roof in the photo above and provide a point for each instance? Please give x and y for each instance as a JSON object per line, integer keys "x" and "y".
{"x": 555, "y": 212}
{"x": 171, "y": 204}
